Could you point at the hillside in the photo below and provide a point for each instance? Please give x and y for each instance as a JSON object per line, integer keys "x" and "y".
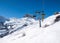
{"x": 27, "y": 30}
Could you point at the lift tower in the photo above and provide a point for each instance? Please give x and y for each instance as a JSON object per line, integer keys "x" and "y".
{"x": 41, "y": 14}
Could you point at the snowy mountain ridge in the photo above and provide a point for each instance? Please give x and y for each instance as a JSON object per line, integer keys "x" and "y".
{"x": 27, "y": 30}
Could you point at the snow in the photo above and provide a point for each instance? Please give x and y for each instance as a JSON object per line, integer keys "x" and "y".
{"x": 49, "y": 20}
{"x": 33, "y": 33}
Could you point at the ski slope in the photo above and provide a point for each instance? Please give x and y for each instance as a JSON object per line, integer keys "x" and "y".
{"x": 35, "y": 34}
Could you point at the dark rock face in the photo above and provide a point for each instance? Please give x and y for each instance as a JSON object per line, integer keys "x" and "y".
{"x": 4, "y": 34}
{"x": 3, "y": 28}
{"x": 57, "y": 19}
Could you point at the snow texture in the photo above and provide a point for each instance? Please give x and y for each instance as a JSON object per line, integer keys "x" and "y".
{"x": 27, "y": 30}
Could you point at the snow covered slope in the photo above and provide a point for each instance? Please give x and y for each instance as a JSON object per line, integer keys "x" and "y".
{"x": 50, "y": 20}
{"x": 19, "y": 23}
{"x": 33, "y": 33}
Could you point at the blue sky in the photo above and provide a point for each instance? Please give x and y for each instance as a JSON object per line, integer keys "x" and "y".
{"x": 17, "y": 8}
